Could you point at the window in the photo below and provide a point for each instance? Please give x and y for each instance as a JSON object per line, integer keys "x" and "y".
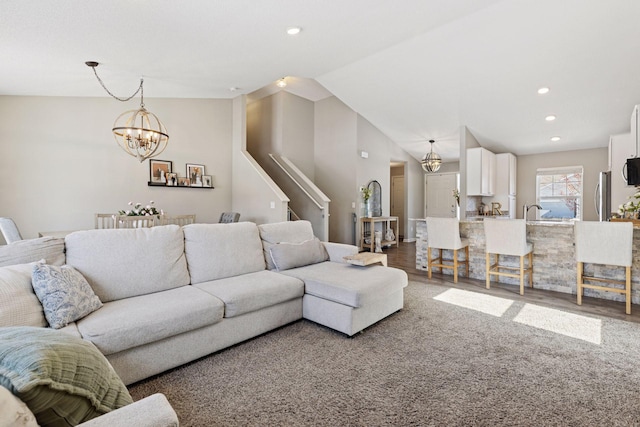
{"x": 559, "y": 192}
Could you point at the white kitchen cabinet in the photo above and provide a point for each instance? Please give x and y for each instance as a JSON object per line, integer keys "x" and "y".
{"x": 481, "y": 172}
{"x": 621, "y": 148}
{"x": 506, "y": 164}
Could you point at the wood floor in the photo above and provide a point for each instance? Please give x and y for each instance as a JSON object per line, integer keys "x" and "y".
{"x": 404, "y": 257}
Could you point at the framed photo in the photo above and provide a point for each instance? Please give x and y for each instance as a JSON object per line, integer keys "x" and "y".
{"x": 195, "y": 173}
{"x": 172, "y": 179}
{"x": 183, "y": 181}
{"x": 158, "y": 171}
{"x": 206, "y": 181}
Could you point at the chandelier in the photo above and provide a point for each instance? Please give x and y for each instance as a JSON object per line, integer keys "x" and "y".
{"x": 138, "y": 132}
{"x": 431, "y": 161}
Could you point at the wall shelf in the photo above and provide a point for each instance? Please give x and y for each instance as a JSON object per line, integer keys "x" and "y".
{"x": 153, "y": 184}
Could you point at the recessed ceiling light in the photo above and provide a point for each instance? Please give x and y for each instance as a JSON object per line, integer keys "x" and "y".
{"x": 543, "y": 90}
{"x": 550, "y": 118}
{"x": 281, "y": 83}
{"x": 555, "y": 138}
{"x": 292, "y": 31}
{"x": 233, "y": 89}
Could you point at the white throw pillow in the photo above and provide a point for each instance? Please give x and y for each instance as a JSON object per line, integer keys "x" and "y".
{"x": 291, "y": 255}
{"x": 65, "y": 294}
{"x": 14, "y": 412}
{"x": 19, "y": 305}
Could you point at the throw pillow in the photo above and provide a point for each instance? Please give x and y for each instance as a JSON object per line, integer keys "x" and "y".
{"x": 19, "y": 305}
{"x": 65, "y": 294}
{"x": 64, "y": 380}
{"x": 13, "y": 412}
{"x": 291, "y": 255}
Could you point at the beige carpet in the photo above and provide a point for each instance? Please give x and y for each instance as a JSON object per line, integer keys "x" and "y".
{"x": 451, "y": 357}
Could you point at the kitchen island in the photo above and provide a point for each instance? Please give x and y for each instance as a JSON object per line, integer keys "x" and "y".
{"x": 554, "y": 261}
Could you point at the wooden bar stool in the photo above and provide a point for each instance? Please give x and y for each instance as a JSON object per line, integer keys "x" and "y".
{"x": 508, "y": 237}
{"x": 607, "y": 243}
{"x": 444, "y": 233}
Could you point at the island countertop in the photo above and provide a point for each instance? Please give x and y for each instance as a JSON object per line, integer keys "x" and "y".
{"x": 554, "y": 261}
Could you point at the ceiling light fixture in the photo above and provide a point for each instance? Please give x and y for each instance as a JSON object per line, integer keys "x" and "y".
{"x": 543, "y": 90}
{"x": 550, "y": 118}
{"x": 138, "y": 132}
{"x": 431, "y": 161}
{"x": 292, "y": 31}
{"x": 281, "y": 83}
{"x": 555, "y": 138}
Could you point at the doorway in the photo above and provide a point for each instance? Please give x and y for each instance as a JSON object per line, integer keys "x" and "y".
{"x": 397, "y": 196}
{"x": 439, "y": 200}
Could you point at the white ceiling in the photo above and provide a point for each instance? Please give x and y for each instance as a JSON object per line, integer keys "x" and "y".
{"x": 416, "y": 69}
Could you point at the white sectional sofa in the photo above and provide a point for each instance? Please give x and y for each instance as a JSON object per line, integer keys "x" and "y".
{"x": 171, "y": 295}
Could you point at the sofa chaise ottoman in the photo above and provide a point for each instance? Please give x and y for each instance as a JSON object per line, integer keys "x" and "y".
{"x": 338, "y": 295}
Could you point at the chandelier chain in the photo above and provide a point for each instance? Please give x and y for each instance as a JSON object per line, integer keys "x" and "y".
{"x": 140, "y": 89}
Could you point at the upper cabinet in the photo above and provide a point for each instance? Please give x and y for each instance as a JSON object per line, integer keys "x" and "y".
{"x": 621, "y": 148}
{"x": 505, "y": 174}
{"x": 481, "y": 172}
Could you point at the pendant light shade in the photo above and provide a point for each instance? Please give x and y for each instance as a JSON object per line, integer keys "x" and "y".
{"x": 138, "y": 132}
{"x": 431, "y": 161}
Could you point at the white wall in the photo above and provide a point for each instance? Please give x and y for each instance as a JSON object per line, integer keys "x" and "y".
{"x": 59, "y": 162}
{"x": 467, "y": 140}
{"x": 592, "y": 160}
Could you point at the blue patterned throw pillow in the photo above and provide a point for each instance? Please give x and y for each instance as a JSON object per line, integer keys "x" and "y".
{"x": 65, "y": 294}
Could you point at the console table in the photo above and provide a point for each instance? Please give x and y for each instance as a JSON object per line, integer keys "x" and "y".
{"x": 368, "y": 226}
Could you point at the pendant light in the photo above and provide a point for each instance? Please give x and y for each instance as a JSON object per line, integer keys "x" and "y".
{"x": 138, "y": 132}
{"x": 431, "y": 161}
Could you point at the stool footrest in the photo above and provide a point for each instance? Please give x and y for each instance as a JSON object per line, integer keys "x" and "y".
{"x": 604, "y": 288}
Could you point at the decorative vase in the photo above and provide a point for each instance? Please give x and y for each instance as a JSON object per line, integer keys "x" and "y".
{"x": 367, "y": 208}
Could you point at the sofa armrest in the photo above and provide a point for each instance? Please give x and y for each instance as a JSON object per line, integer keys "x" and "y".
{"x": 337, "y": 251}
{"x": 152, "y": 411}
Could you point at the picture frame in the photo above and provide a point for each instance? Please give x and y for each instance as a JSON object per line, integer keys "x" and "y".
{"x": 207, "y": 181}
{"x": 195, "y": 173}
{"x": 158, "y": 170}
{"x": 172, "y": 179}
{"x": 183, "y": 181}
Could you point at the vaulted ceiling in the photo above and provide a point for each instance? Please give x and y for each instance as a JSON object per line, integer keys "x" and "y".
{"x": 416, "y": 69}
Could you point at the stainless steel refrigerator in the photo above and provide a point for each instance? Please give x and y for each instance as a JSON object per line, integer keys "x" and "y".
{"x": 602, "y": 197}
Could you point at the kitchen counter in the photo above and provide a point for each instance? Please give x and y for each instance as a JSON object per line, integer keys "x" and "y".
{"x": 554, "y": 264}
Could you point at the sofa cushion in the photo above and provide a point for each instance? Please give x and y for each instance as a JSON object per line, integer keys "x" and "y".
{"x": 216, "y": 251}
{"x": 288, "y": 232}
{"x": 250, "y": 292}
{"x": 65, "y": 295}
{"x": 291, "y": 255}
{"x": 64, "y": 380}
{"x": 19, "y": 305}
{"x": 129, "y": 262}
{"x": 50, "y": 249}
{"x": 131, "y": 322}
{"x": 349, "y": 284}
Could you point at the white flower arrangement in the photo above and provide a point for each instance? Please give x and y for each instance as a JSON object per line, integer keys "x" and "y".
{"x": 366, "y": 193}
{"x": 631, "y": 207}
{"x": 139, "y": 210}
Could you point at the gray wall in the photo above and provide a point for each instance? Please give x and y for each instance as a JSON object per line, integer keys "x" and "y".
{"x": 59, "y": 162}
{"x": 335, "y": 152}
{"x": 592, "y": 160}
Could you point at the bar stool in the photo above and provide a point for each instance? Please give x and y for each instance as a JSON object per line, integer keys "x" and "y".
{"x": 444, "y": 233}
{"x": 508, "y": 237}
{"x": 608, "y": 243}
